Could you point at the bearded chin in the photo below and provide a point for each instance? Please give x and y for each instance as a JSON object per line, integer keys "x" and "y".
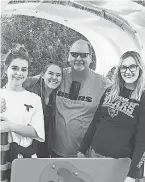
{"x": 79, "y": 68}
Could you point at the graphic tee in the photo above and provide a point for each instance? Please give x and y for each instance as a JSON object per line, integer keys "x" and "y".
{"x": 74, "y": 116}
{"x": 23, "y": 108}
{"x": 118, "y": 129}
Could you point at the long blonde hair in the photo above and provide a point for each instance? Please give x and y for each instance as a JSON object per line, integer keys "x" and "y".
{"x": 118, "y": 82}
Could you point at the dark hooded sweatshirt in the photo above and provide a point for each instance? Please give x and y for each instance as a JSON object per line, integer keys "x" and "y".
{"x": 118, "y": 129}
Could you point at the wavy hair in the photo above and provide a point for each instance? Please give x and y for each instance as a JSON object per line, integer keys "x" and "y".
{"x": 118, "y": 82}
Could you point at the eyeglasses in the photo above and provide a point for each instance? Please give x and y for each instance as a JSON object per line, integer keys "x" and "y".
{"x": 76, "y": 54}
{"x": 132, "y": 68}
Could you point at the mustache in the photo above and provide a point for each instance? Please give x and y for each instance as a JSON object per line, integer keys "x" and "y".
{"x": 79, "y": 61}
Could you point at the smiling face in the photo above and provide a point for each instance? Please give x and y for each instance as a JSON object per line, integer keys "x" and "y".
{"x": 129, "y": 70}
{"x": 53, "y": 76}
{"x": 80, "y": 56}
{"x": 17, "y": 71}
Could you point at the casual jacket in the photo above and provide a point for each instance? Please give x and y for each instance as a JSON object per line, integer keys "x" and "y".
{"x": 36, "y": 85}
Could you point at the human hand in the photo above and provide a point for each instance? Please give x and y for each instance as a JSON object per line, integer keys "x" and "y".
{"x": 2, "y": 105}
{"x": 129, "y": 179}
{"x": 5, "y": 125}
{"x": 80, "y": 155}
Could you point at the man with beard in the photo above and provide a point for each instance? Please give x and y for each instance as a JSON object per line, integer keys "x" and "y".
{"x": 76, "y": 101}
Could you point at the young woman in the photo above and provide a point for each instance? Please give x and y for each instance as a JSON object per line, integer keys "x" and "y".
{"x": 22, "y": 117}
{"x": 45, "y": 85}
{"x": 118, "y": 127}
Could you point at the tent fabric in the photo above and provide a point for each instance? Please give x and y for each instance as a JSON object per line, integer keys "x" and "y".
{"x": 125, "y": 29}
{"x": 111, "y": 27}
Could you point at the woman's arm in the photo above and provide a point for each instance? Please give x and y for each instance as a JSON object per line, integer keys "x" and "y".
{"x": 35, "y": 127}
{"x": 87, "y": 140}
{"x": 138, "y": 157}
{"x": 90, "y": 133}
{"x": 30, "y": 81}
{"x": 37, "y": 121}
{"x": 128, "y": 179}
{"x": 25, "y": 131}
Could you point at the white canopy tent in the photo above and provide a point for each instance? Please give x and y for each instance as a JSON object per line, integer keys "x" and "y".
{"x": 112, "y": 27}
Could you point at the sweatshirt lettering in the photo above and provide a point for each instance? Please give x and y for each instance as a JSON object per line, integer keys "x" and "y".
{"x": 80, "y": 98}
{"x": 119, "y": 104}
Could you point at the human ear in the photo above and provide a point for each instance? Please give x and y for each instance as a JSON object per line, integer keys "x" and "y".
{"x": 42, "y": 76}
{"x": 69, "y": 58}
{"x": 90, "y": 59}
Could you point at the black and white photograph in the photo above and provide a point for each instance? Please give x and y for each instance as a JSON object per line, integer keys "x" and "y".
{"x": 72, "y": 96}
